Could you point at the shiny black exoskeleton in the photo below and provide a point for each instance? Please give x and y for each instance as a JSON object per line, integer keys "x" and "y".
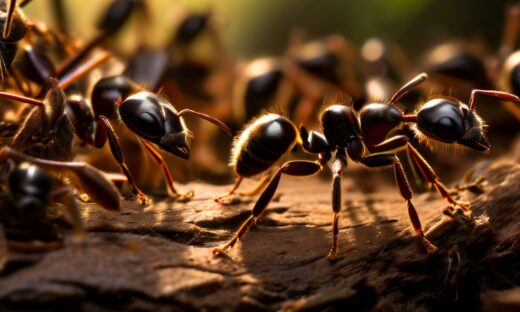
{"x": 24, "y": 215}
{"x": 450, "y": 121}
{"x": 257, "y": 87}
{"x": 262, "y": 144}
{"x": 116, "y": 15}
{"x": 152, "y": 118}
{"x": 369, "y": 138}
{"x": 30, "y": 190}
{"x": 156, "y": 120}
{"x": 190, "y": 27}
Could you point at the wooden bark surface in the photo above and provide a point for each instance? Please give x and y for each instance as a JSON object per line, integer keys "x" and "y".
{"x": 159, "y": 258}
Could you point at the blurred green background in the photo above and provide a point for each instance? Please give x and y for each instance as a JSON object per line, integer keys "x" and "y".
{"x": 253, "y": 28}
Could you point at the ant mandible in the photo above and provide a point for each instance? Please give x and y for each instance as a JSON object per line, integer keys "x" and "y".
{"x": 364, "y": 139}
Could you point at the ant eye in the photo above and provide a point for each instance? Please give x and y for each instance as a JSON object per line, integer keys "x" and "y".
{"x": 149, "y": 125}
{"x": 447, "y": 129}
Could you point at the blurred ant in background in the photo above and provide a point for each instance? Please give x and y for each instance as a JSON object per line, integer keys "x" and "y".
{"x": 30, "y": 187}
{"x": 326, "y": 66}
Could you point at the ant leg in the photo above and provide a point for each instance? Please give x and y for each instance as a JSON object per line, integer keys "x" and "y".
{"x": 83, "y": 176}
{"x": 430, "y": 175}
{"x": 258, "y": 187}
{"x": 221, "y": 198}
{"x": 167, "y": 173}
{"x": 337, "y": 169}
{"x": 294, "y": 168}
{"x": 66, "y": 195}
{"x": 104, "y": 131}
{"x": 383, "y": 160}
{"x": 426, "y": 171}
{"x": 84, "y": 69}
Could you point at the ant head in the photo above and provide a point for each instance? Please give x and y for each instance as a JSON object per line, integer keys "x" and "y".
{"x": 154, "y": 119}
{"x": 450, "y": 121}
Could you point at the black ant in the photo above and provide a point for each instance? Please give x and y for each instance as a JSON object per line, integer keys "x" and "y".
{"x": 31, "y": 188}
{"x": 364, "y": 138}
{"x": 152, "y": 118}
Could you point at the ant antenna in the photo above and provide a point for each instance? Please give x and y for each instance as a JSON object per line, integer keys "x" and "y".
{"x": 408, "y": 87}
{"x": 213, "y": 120}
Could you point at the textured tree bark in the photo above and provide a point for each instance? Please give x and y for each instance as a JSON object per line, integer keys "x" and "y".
{"x": 159, "y": 257}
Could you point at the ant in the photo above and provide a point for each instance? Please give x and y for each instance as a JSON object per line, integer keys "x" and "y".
{"x": 364, "y": 138}
{"x": 31, "y": 188}
{"x": 114, "y": 18}
{"x": 48, "y": 129}
{"x": 328, "y": 65}
{"x": 15, "y": 27}
{"x": 152, "y": 118}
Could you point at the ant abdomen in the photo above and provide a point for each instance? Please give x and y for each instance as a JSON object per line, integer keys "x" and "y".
{"x": 262, "y": 143}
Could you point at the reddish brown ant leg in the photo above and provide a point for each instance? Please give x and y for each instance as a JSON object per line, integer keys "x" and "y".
{"x": 167, "y": 173}
{"x": 294, "y": 168}
{"x": 431, "y": 176}
{"x": 222, "y": 198}
{"x": 104, "y": 131}
{"x": 383, "y": 160}
{"x": 81, "y": 71}
{"x": 258, "y": 187}
{"x": 337, "y": 169}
